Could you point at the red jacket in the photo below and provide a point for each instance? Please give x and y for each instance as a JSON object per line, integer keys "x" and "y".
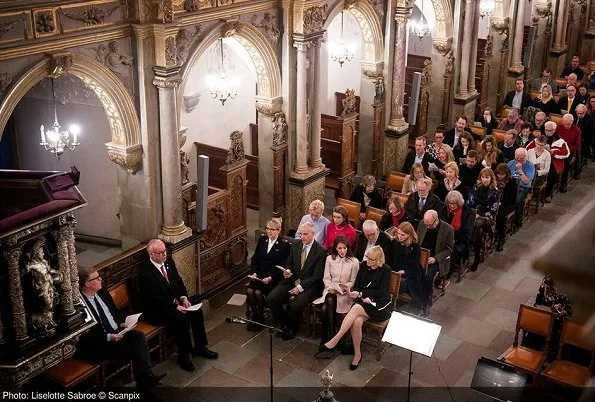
{"x": 571, "y": 135}
{"x": 559, "y": 151}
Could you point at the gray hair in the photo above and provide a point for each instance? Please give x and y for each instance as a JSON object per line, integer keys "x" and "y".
{"x": 540, "y": 114}
{"x": 153, "y": 243}
{"x": 369, "y": 224}
{"x": 568, "y": 117}
{"x": 430, "y": 213}
{"x": 425, "y": 180}
{"x": 581, "y": 106}
{"x": 550, "y": 125}
{"x": 572, "y": 75}
{"x": 520, "y": 151}
{"x": 455, "y": 197}
{"x": 306, "y": 226}
{"x": 369, "y": 180}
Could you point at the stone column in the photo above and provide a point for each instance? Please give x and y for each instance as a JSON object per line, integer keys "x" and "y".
{"x": 301, "y": 164}
{"x": 588, "y": 45}
{"x": 466, "y": 47}
{"x": 19, "y": 321}
{"x": 516, "y": 65}
{"x": 64, "y": 267}
{"x": 74, "y": 278}
{"x": 173, "y": 228}
{"x": 559, "y": 44}
{"x": 397, "y": 121}
{"x": 473, "y": 56}
{"x": 315, "y": 159}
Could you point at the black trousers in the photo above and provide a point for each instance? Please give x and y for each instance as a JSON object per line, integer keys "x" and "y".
{"x": 180, "y": 324}
{"x": 501, "y": 220}
{"x": 287, "y": 309}
{"x": 428, "y": 288}
{"x": 567, "y": 166}
{"x": 329, "y": 315}
{"x": 481, "y": 225}
{"x": 415, "y": 287}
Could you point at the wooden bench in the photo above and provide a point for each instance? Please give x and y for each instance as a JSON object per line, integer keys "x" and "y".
{"x": 71, "y": 372}
{"x": 500, "y": 135}
{"x": 556, "y": 118}
{"x": 374, "y": 214}
{"x": 353, "y": 210}
{"x": 395, "y": 181}
{"x": 478, "y": 132}
{"x": 424, "y": 256}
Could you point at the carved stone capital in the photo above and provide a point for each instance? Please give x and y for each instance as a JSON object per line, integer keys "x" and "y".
{"x": 372, "y": 70}
{"x": 442, "y": 45}
{"x": 230, "y": 27}
{"x": 310, "y": 19}
{"x": 166, "y": 78}
{"x": 129, "y": 158}
{"x": 543, "y": 9}
{"x": 301, "y": 45}
{"x": 268, "y": 107}
{"x": 60, "y": 63}
{"x": 500, "y": 25}
{"x": 402, "y": 14}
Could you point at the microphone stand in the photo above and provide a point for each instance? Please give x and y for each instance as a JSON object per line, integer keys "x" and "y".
{"x": 272, "y": 330}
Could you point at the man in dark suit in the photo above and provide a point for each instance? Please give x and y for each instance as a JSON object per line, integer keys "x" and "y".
{"x": 584, "y": 122}
{"x": 103, "y": 340}
{"x": 469, "y": 171}
{"x": 451, "y": 137}
{"x": 164, "y": 299}
{"x": 570, "y": 101}
{"x": 419, "y": 202}
{"x": 369, "y": 237}
{"x": 301, "y": 283}
{"x": 418, "y": 154}
{"x": 518, "y": 99}
{"x": 573, "y": 68}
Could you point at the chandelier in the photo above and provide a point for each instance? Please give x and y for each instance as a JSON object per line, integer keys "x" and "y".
{"x": 222, "y": 87}
{"x": 55, "y": 139}
{"x": 486, "y": 7}
{"x": 421, "y": 27}
{"x": 341, "y": 52}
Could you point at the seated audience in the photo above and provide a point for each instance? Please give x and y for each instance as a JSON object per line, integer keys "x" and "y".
{"x": 438, "y": 237}
{"x": 466, "y": 144}
{"x": 573, "y": 68}
{"x": 372, "y": 301}
{"x": 583, "y": 93}
{"x": 103, "y": 340}
{"x": 541, "y": 158}
{"x": 525, "y": 137}
{"x": 451, "y": 137}
{"x": 517, "y": 99}
{"x": 395, "y": 216}
{"x": 523, "y": 171}
{"x": 450, "y": 182}
{"x": 571, "y": 80}
{"x": 422, "y": 201}
{"x": 572, "y": 135}
{"x": 485, "y": 200}
{"x": 511, "y": 122}
{"x": 469, "y": 171}
{"x": 591, "y": 73}
{"x": 508, "y": 188}
{"x": 367, "y": 195}
{"x": 509, "y": 145}
{"x": 418, "y": 155}
{"x": 433, "y": 148}
{"x": 315, "y": 217}
{"x": 488, "y": 120}
{"x": 585, "y": 124}
{"x": 460, "y": 217}
{"x": 559, "y": 151}
{"x": 546, "y": 103}
{"x": 545, "y": 79}
{"x": 164, "y": 301}
{"x": 444, "y": 156}
{"x": 539, "y": 122}
{"x": 340, "y": 269}
{"x": 369, "y": 237}
{"x": 339, "y": 227}
{"x": 301, "y": 283}
{"x": 410, "y": 182}
{"x": 405, "y": 256}
{"x": 490, "y": 155}
{"x": 569, "y": 102}
{"x": 271, "y": 250}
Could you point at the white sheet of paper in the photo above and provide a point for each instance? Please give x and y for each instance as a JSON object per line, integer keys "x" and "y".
{"x": 281, "y": 268}
{"x": 194, "y": 307}
{"x": 237, "y": 300}
{"x": 335, "y": 286}
{"x": 130, "y": 322}
{"x": 412, "y": 334}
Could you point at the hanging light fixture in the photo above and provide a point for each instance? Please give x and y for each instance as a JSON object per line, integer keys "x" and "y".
{"x": 486, "y": 7}
{"x": 420, "y": 28}
{"x": 55, "y": 139}
{"x": 222, "y": 87}
{"x": 342, "y": 52}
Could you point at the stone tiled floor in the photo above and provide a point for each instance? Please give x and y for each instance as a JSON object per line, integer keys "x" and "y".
{"x": 477, "y": 316}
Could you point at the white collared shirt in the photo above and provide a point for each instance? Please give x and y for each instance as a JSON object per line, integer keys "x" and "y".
{"x": 271, "y": 243}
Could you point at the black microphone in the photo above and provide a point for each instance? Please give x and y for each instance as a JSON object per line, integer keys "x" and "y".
{"x": 235, "y": 320}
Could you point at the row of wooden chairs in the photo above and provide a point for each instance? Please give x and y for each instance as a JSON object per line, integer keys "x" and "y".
{"x": 560, "y": 371}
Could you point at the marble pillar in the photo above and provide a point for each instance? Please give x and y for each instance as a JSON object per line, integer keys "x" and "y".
{"x": 397, "y": 120}
{"x": 588, "y": 45}
{"x": 173, "y": 228}
{"x": 559, "y": 45}
{"x": 466, "y": 46}
{"x": 473, "y": 56}
{"x": 315, "y": 159}
{"x": 265, "y": 159}
{"x": 301, "y": 165}
{"x": 396, "y": 147}
{"x": 516, "y": 64}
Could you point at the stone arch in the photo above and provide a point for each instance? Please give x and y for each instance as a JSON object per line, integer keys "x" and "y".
{"x": 444, "y": 19}
{"x": 370, "y": 26}
{"x": 268, "y": 74}
{"x": 125, "y": 148}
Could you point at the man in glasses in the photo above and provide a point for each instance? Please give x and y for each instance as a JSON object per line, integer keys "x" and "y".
{"x": 103, "y": 341}
{"x": 369, "y": 237}
{"x": 438, "y": 237}
{"x": 164, "y": 300}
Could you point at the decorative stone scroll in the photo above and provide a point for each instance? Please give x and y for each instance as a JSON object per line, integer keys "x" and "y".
{"x": 236, "y": 150}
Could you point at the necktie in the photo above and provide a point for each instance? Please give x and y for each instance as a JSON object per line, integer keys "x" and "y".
{"x": 569, "y": 104}
{"x": 164, "y": 273}
{"x": 422, "y": 202}
{"x": 304, "y": 255}
{"x": 102, "y": 317}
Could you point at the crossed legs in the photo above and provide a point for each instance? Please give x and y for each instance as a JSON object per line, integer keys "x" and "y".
{"x": 354, "y": 321}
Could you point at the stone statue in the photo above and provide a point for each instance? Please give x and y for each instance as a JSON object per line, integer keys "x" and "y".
{"x": 326, "y": 395}
{"x": 378, "y": 90}
{"x": 118, "y": 63}
{"x": 349, "y": 103}
{"x": 279, "y": 129}
{"x": 44, "y": 279}
{"x": 184, "y": 162}
{"x": 236, "y": 150}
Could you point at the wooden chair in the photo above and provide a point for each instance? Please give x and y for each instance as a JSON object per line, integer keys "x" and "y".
{"x": 400, "y": 196}
{"x": 478, "y": 131}
{"x": 424, "y": 256}
{"x": 353, "y": 210}
{"x": 500, "y": 135}
{"x": 535, "y": 95}
{"x": 539, "y": 195}
{"x": 374, "y": 214}
{"x": 395, "y": 180}
{"x": 556, "y": 118}
{"x": 374, "y": 330}
{"x": 504, "y": 111}
{"x": 565, "y": 372}
{"x": 71, "y": 372}
{"x": 155, "y": 335}
{"x": 561, "y": 82}
{"x": 536, "y": 321}
{"x": 591, "y": 92}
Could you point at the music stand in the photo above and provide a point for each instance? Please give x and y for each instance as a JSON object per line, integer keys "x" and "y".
{"x": 414, "y": 334}
{"x": 499, "y": 380}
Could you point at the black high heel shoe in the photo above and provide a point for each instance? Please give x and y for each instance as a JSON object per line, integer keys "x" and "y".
{"x": 355, "y": 366}
{"x": 325, "y": 353}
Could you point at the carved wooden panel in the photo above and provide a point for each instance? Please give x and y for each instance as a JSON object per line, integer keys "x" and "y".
{"x": 252, "y": 185}
{"x": 279, "y": 162}
{"x": 377, "y": 137}
{"x": 338, "y": 142}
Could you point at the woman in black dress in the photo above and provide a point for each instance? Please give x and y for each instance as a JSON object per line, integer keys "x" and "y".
{"x": 372, "y": 301}
{"x": 270, "y": 251}
{"x": 508, "y": 192}
{"x": 405, "y": 256}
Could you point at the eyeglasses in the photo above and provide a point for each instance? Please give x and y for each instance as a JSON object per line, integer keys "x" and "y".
{"x": 372, "y": 259}
{"x": 272, "y": 229}
{"x": 164, "y": 252}
{"x": 94, "y": 279}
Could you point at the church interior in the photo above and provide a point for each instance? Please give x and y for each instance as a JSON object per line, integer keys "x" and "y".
{"x": 200, "y": 122}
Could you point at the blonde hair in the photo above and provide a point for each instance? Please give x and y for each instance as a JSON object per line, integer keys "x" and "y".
{"x": 377, "y": 254}
{"x": 452, "y": 165}
{"x": 410, "y": 232}
{"x": 276, "y": 222}
{"x": 316, "y": 206}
